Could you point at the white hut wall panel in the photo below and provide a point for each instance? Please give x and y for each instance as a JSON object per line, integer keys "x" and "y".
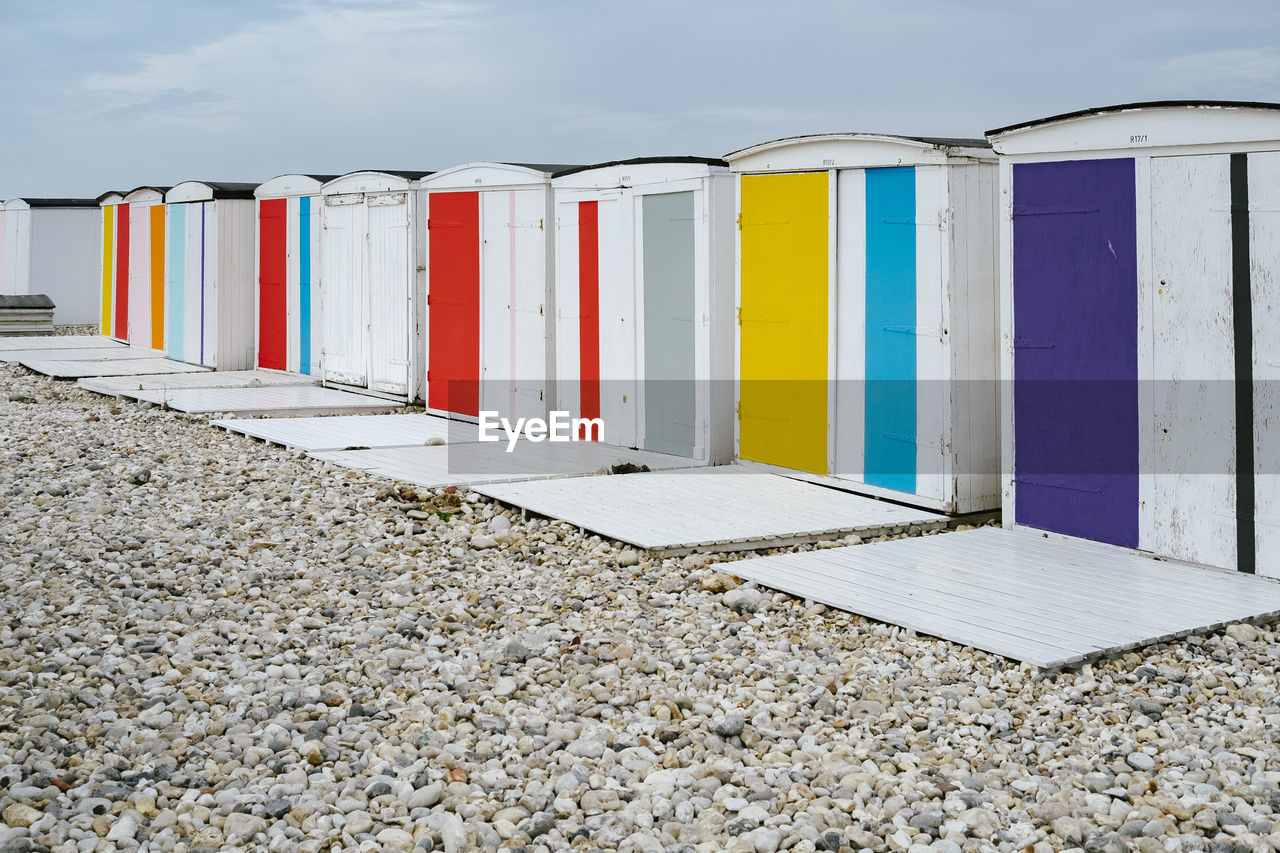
{"x": 513, "y": 296}
{"x": 1147, "y": 242}
{"x": 13, "y": 252}
{"x": 891, "y": 318}
{"x": 372, "y": 264}
{"x": 1264, "y": 279}
{"x": 234, "y": 313}
{"x": 342, "y": 277}
{"x": 64, "y": 262}
{"x": 139, "y": 282}
{"x": 288, "y": 265}
{"x": 643, "y": 316}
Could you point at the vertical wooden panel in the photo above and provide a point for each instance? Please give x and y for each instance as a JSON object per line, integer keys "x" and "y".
{"x": 272, "y": 274}
{"x": 589, "y": 309}
{"x": 670, "y": 398}
{"x": 851, "y": 307}
{"x": 1190, "y": 512}
{"x": 122, "y": 273}
{"x": 140, "y": 276}
{"x": 784, "y": 340}
{"x": 890, "y": 429}
{"x": 1076, "y": 351}
{"x": 108, "y": 266}
{"x": 389, "y": 292}
{"x": 454, "y": 303}
{"x": 1264, "y": 279}
{"x": 305, "y": 250}
{"x": 175, "y": 281}
{"x": 156, "y": 213}
{"x": 343, "y": 287}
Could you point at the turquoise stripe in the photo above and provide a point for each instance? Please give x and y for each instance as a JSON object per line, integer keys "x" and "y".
{"x": 304, "y": 284}
{"x": 174, "y": 287}
{"x": 890, "y": 460}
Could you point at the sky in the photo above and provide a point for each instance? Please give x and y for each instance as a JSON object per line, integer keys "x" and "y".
{"x": 98, "y": 95}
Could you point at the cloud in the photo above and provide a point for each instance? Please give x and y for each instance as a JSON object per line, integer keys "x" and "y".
{"x": 1228, "y": 69}
{"x": 321, "y": 52}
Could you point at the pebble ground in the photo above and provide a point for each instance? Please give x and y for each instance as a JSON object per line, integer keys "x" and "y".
{"x": 207, "y": 644}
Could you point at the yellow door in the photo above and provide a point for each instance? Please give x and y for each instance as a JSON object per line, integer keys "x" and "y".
{"x": 157, "y": 276}
{"x": 108, "y": 264}
{"x": 782, "y": 409}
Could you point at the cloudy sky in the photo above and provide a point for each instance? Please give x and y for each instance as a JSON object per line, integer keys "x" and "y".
{"x": 100, "y": 95}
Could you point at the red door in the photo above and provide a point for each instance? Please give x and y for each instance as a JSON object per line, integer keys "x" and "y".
{"x": 122, "y": 272}
{"x": 453, "y": 359}
{"x": 589, "y": 307}
{"x": 273, "y": 302}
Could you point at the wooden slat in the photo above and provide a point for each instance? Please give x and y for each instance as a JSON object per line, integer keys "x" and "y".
{"x": 1047, "y": 602}
{"x": 723, "y": 508}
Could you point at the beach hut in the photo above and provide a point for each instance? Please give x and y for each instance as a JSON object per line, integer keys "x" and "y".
{"x": 867, "y": 315}
{"x": 209, "y": 292}
{"x": 644, "y": 302}
{"x": 372, "y": 282}
{"x": 50, "y": 246}
{"x": 288, "y": 271}
{"x": 114, "y": 317}
{"x": 143, "y": 305}
{"x": 1140, "y": 283}
{"x": 490, "y": 273}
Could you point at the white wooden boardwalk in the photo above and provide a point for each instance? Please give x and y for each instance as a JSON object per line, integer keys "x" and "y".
{"x": 1047, "y": 602}
{"x": 710, "y": 509}
{"x": 102, "y": 353}
{"x": 129, "y": 386}
{"x": 477, "y": 464}
{"x": 74, "y": 369}
{"x": 277, "y": 401}
{"x": 46, "y": 342}
{"x": 343, "y": 432}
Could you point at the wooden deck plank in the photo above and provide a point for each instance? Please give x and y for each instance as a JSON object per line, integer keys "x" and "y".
{"x": 1046, "y": 602}
{"x": 129, "y": 386}
{"x": 475, "y": 464}
{"x": 103, "y": 353}
{"x": 270, "y": 401}
{"x": 341, "y": 432}
{"x": 723, "y": 508}
{"x": 60, "y": 369}
{"x": 49, "y": 342}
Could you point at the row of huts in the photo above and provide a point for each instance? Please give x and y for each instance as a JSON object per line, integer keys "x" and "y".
{"x": 1076, "y": 317}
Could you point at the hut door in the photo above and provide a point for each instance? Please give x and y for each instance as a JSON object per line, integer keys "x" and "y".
{"x": 784, "y": 349}
{"x": 272, "y": 282}
{"x": 175, "y": 282}
{"x": 140, "y": 277}
{"x": 1075, "y": 362}
{"x": 123, "y": 233}
{"x": 342, "y": 287}
{"x": 670, "y": 324}
{"x": 454, "y": 303}
{"x": 513, "y": 296}
{"x": 1189, "y": 511}
{"x": 617, "y": 320}
{"x": 192, "y": 281}
{"x": 390, "y": 282}
{"x": 1264, "y": 262}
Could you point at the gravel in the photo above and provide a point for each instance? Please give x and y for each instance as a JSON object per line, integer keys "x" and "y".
{"x": 249, "y": 648}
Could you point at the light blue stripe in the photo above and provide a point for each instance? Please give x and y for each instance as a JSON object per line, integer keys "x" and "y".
{"x": 304, "y": 284}
{"x": 176, "y": 257}
{"x": 891, "y": 329}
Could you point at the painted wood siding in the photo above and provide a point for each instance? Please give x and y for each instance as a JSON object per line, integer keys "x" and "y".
{"x": 1075, "y": 348}
{"x": 784, "y": 342}
{"x": 453, "y": 361}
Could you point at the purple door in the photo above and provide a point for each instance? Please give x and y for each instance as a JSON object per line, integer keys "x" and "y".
{"x": 1075, "y": 309}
